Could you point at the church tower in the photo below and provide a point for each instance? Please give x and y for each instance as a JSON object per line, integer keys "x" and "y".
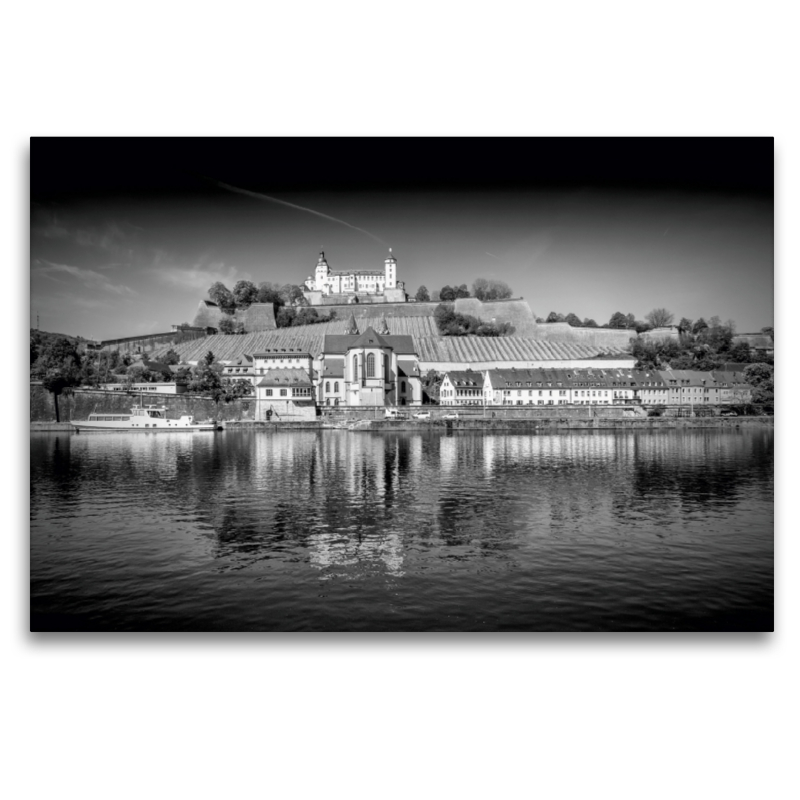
{"x": 322, "y": 271}
{"x": 390, "y": 266}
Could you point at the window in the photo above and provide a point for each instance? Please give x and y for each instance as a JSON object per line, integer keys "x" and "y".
{"x": 283, "y": 392}
{"x": 327, "y": 386}
{"x": 336, "y": 387}
{"x": 402, "y": 387}
{"x": 268, "y": 392}
{"x": 355, "y": 367}
{"x": 371, "y": 365}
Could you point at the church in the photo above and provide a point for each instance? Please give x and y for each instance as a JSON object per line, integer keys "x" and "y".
{"x": 368, "y": 369}
{"x": 354, "y": 286}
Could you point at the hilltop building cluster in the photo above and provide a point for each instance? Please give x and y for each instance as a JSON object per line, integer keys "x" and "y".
{"x": 354, "y": 286}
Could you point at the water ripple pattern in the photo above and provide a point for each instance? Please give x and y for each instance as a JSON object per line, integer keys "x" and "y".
{"x": 360, "y": 531}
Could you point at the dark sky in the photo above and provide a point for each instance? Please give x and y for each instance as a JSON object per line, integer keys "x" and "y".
{"x": 128, "y": 234}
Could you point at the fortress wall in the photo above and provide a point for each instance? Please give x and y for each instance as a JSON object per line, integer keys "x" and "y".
{"x": 659, "y": 334}
{"x": 150, "y": 342}
{"x": 258, "y": 317}
{"x": 517, "y": 312}
{"x": 594, "y": 337}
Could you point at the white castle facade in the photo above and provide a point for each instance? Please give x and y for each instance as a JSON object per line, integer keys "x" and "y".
{"x": 351, "y": 286}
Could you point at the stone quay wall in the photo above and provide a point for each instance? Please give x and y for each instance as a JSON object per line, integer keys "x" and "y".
{"x": 79, "y": 403}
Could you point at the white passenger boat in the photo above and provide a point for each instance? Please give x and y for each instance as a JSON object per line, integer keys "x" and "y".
{"x": 149, "y": 419}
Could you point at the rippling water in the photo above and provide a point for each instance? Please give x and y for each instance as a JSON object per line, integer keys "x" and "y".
{"x": 337, "y": 530}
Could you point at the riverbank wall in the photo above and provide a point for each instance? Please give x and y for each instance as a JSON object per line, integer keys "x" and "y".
{"x": 541, "y": 424}
{"x": 79, "y": 403}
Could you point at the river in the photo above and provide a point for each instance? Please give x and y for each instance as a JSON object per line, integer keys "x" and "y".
{"x": 402, "y": 531}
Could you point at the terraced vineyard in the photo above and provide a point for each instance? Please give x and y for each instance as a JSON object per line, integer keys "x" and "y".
{"x": 430, "y": 346}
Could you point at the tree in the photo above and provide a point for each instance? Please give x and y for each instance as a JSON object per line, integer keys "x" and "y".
{"x": 293, "y": 295}
{"x": 422, "y": 295}
{"x": 552, "y": 317}
{"x": 450, "y": 323}
{"x": 431, "y": 385}
{"x": 237, "y": 388}
{"x": 171, "y": 357}
{"x": 222, "y": 296}
{"x": 740, "y": 353}
{"x": 762, "y": 378}
{"x": 305, "y": 316}
{"x": 245, "y": 294}
{"x": 685, "y": 325}
{"x": 490, "y": 289}
{"x": 58, "y": 366}
{"x": 206, "y": 378}
{"x": 589, "y": 323}
{"x": 699, "y": 325}
{"x": 269, "y": 293}
{"x": 573, "y": 319}
{"x": 285, "y": 317}
{"x": 229, "y": 326}
{"x": 618, "y": 320}
{"x": 447, "y": 294}
{"x": 660, "y": 317}
{"x": 462, "y": 291}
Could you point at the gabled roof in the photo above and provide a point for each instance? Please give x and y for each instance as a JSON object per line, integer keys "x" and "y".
{"x": 369, "y": 339}
{"x": 285, "y": 377}
{"x": 464, "y": 378}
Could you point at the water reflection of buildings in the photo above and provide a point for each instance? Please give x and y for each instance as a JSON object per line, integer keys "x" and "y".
{"x": 360, "y": 503}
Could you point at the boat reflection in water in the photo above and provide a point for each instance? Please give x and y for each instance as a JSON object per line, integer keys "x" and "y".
{"x": 336, "y": 530}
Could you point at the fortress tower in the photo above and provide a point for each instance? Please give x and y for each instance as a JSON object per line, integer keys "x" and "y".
{"x": 390, "y": 269}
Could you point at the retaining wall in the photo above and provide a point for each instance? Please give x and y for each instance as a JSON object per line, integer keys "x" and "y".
{"x": 79, "y": 403}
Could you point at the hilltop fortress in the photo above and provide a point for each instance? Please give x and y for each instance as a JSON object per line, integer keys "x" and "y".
{"x": 373, "y": 294}
{"x": 329, "y": 287}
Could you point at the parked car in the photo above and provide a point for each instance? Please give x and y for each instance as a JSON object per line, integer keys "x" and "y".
{"x": 393, "y": 413}
{"x": 451, "y": 415}
{"x": 728, "y": 414}
{"x": 422, "y": 415}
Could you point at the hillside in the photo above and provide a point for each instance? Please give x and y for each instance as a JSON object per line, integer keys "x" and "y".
{"x": 430, "y": 346}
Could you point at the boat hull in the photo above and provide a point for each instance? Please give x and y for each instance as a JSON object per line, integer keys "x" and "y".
{"x": 111, "y": 427}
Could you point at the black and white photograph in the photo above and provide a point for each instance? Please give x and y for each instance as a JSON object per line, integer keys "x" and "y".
{"x": 366, "y": 384}
{"x": 402, "y": 394}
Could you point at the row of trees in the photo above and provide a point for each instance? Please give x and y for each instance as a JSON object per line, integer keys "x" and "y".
{"x": 700, "y": 345}
{"x": 245, "y": 293}
{"x": 657, "y": 318}
{"x": 449, "y": 323}
{"x": 482, "y": 288}
{"x": 286, "y": 300}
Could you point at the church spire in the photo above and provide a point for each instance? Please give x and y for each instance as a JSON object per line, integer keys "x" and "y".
{"x": 352, "y": 328}
{"x": 384, "y": 331}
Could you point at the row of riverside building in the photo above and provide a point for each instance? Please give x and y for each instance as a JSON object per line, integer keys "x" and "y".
{"x": 553, "y": 387}
{"x": 378, "y": 369}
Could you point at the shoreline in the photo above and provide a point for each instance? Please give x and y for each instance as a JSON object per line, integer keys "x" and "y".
{"x": 546, "y": 425}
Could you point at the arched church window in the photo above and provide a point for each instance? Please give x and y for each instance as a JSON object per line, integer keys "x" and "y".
{"x": 371, "y": 365}
{"x": 336, "y": 387}
{"x": 355, "y": 367}
{"x": 327, "y": 386}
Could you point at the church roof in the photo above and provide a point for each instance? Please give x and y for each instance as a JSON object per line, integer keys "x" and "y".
{"x": 370, "y": 338}
{"x": 341, "y": 343}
